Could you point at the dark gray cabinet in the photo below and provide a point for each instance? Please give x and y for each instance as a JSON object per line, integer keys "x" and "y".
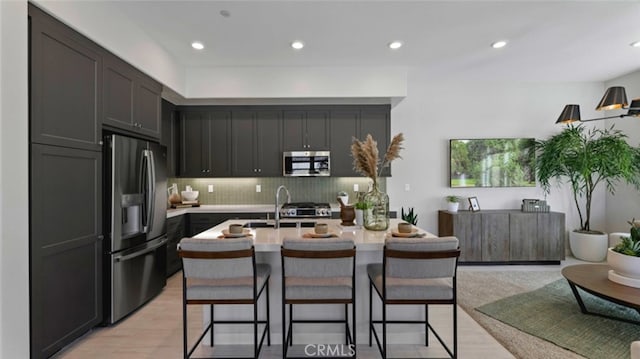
{"x": 176, "y": 230}
{"x": 170, "y": 136}
{"x": 132, "y": 100}
{"x": 65, "y": 78}
{"x": 505, "y": 235}
{"x": 256, "y": 143}
{"x": 348, "y": 122}
{"x": 205, "y": 144}
{"x": 305, "y": 130}
{"x": 65, "y": 180}
{"x": 65, "y": 246}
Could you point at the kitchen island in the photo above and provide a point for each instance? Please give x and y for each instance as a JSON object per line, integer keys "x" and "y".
{"x": 267, "y": 242}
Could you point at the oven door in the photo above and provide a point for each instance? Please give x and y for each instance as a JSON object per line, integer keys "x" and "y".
{"x": 306, "y": 163}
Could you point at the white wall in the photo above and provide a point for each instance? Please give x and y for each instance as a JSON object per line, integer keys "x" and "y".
{"x": 434, "y": 112}
{"x": 296, "y": 82}
{"x": 14, "y": 207}
{"x": 625, "y": 204}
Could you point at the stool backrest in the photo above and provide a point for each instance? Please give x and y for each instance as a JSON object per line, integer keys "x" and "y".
{"x": 421, "y": 257}
{"x": 217, "y": 258}
{"x": 318, "y": 257}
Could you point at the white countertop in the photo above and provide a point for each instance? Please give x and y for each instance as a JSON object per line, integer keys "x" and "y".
{"x": 270, "y": 239}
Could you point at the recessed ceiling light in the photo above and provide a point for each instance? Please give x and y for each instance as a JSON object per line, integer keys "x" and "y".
{"x": 197, "y": 45}
{"x": 499, "y": 44}
{"x": 225, "y": 13}
{"x": 297, "y": 45}
{"x": 635, "y": 44}
{"x": 395, "y": 45}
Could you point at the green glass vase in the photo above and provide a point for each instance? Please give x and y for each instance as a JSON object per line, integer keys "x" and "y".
{"x": 376, "y": 214}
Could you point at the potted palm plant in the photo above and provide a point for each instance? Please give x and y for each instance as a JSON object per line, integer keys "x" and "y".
{"x": 585, "y": 159}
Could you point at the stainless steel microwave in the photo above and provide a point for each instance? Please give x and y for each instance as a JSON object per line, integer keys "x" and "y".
{"x": 306, "y": 163}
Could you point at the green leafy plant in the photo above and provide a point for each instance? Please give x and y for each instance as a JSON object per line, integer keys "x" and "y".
{"x": 453, "y": 199}
{"x": 586, "y": 159}
{"x": 410, "y": 216}
{"x": 630, "y": 245}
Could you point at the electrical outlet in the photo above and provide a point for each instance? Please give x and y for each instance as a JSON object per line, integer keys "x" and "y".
{"x": 407, "y": 187}
{"x": 356, "y": 188}
{"x": 258, "y": 188}
{"x": 210, "y": 188}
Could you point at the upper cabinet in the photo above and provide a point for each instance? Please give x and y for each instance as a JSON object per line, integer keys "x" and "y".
{"x": 170, "y": 137}
{"x": 132, "y": 100}
{"x": 348, "y": 122}
{"x": 256, "y": 143}
{"x": 305, "y": 130}
{"x": 205, "y": 143}
{"x": 65, "y": 78}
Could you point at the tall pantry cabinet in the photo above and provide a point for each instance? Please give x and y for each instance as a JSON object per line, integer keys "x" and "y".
{"x": 65, "y": 184}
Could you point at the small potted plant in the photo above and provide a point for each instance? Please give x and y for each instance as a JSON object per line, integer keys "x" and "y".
{"x": 624, "y": 258}
{"x": 360, "y": 207}
{"x": 452, "y": 203}
{"x": 409, "y": 216}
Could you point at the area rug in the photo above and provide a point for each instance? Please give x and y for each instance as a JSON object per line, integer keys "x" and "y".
{"x": 551, "y": 313}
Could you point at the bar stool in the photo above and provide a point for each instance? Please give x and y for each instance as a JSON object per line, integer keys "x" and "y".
{"x": 415, "y": 271}
{"x": 318, "y": 271}
{"x": 223, "y": 271}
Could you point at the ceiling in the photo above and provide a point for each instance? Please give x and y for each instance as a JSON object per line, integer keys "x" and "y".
{"x": 547, "y": 40}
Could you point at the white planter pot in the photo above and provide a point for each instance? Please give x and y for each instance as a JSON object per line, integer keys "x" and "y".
{"x": 453, "y": 206}
{"x": 589, "y": 247}
{"x": 624, "y": 265}
{"x": 359, "y": 217}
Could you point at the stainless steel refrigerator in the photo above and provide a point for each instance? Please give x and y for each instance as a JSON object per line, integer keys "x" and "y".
{"x": 136, "y": 236}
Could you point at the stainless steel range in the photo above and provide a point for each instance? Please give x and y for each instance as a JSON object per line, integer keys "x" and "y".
{"x": 305, "y": 210}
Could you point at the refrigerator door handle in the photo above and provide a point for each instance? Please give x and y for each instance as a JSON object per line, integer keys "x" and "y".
{"x": 144, "y": 218}
{"x": 141, "y": 253}
{"x": 151, "y": 195}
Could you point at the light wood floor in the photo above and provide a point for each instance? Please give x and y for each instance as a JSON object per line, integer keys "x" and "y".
{"x": 155, "y": 331}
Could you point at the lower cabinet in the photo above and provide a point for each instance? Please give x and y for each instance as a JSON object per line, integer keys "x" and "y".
{"x": 65, "y": 246}
{"x": 176, "y": 230}
{"x": 505, "y": 235}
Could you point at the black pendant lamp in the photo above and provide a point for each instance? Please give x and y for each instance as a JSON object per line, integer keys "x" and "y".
{"x": 571, "y": 113}
{"x": 614, "y": 98}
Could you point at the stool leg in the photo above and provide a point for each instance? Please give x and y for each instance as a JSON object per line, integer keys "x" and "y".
{"x": 211, "y": 324}
{"x": 384, "y": 330}
{"x": 370, "y": 312}
{"x": 346, "y": 324}
{"x": 284, "y": 329}
{"x": 268, "y": 320}
{"x": 255, "y": 329}
{"x": 426, "y": 325}
{"x": 290, "y": 325}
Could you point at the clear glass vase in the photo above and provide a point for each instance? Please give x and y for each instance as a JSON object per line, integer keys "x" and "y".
{"x": 376, "y": 214}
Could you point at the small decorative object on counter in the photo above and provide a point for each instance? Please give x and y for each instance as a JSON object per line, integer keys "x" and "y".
{"x": 360, "y": 207}
{"x": 344, "y": 196}
{"x": 453, "y": 202}
{"x": 474, "y": 206}
{"x": 347, "y": 213}
{"x": 367, "y": 163}
{"x": 534, "y": 205}
{"x": 174, "y": 196}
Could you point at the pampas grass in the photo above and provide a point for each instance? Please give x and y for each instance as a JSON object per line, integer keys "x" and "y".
{"x": 366, "y": 159}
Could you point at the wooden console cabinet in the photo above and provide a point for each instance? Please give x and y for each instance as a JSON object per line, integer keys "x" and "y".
{"x": 505, "y": 236}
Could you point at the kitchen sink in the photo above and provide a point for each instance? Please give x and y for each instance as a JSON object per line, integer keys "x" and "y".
{"x": 282, "y": 224}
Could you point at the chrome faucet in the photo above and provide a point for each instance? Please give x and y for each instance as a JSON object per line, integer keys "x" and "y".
{"x": 277, "y": 214}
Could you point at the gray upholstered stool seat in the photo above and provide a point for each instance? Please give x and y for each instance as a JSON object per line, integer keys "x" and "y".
{"x": 222, "y": 272}
{"x": 317, "y": 271}
{"x": 414, "y": 271}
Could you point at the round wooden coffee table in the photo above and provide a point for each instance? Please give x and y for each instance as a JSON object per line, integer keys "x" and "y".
{"x": 593, "y": 279}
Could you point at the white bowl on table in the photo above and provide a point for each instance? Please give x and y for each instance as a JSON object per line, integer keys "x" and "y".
{"x": 189, "y": 195}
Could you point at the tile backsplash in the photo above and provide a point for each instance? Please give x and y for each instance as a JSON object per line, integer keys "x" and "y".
{"x": 302, "y": 189}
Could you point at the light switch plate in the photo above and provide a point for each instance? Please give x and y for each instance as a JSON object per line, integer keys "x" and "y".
{"x": 258, "y": 188}
{"x": 407, "y": 187}
{"x": 356, "y": 188}
{"x": 210, "y": 188}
